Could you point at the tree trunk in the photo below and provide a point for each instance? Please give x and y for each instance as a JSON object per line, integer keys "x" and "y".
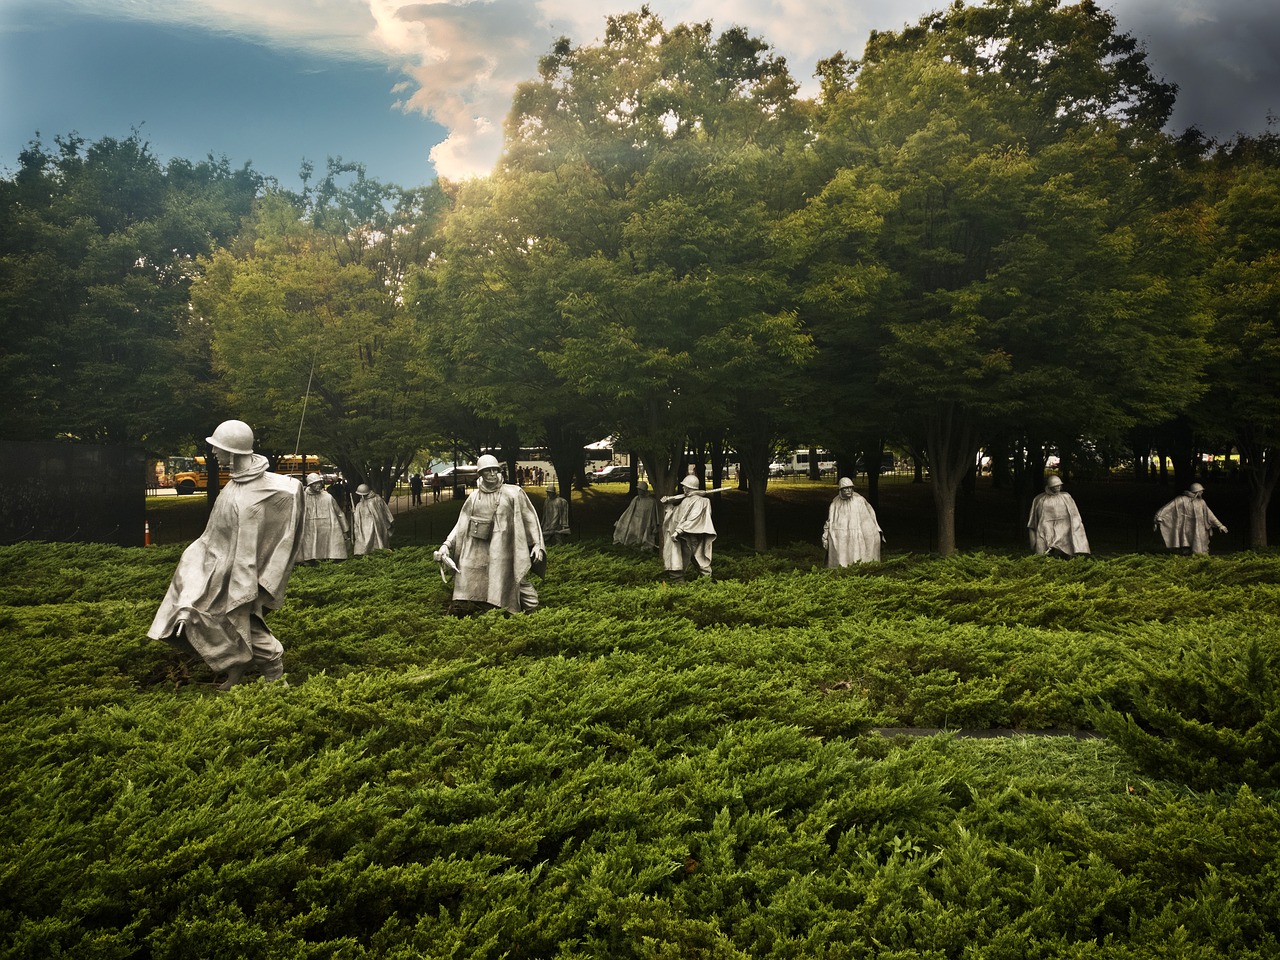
{"x": 952, "y": 445}
{"x": 1261, "y": 470}
{"x": 665, "y": 469}
{"x": 754, "y": 464}
{"x": 873, "y": 456}
{"x": 717, "y": 461}
{"x": 565, "y": 447}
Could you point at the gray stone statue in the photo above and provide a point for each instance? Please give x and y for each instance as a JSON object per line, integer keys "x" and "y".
{"x": 239, "y": 569}
{"x": 1186, "y": 523}
{"x": 1054, "y": 525}
{"x": 495, "y": 544}
{"x": 851, "y": 533}
{"x": 371, "y": 522}
{"x": 324, "y": 526}
{"x": 555, "y": 518}
{"x": 641, "y": 523}
{"x": 687, "y": 531}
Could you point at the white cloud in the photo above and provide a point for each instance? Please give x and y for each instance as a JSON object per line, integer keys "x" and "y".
{"x": 465, "y": 60}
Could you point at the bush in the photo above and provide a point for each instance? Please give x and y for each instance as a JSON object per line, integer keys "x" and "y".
{"x": 639, "y": 770}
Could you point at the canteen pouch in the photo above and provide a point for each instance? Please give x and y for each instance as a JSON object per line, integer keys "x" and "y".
{"x": 482, "y": 528}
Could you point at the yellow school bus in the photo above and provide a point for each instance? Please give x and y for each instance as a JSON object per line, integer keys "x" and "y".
{"x": 188, "y": 475}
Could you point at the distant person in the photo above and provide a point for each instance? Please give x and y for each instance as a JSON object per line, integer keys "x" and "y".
{"x": 687, "y": 531}
{"x": 495, "y": 544}
{"x": 324, "y": 526}
{"x": 341, "y": 493}
{"x": 371, "y": 522}
{"x": 851, "y": 533}
{"x": 555, "y": 518}
{"x": 1054, "y": 525}
{"x": 641, "y": 523}
{"x": 239, "y": 569}
{"x": 415, "y": 490}
{"x": 436, "y": 485}
{"x": 1186, "y": 523}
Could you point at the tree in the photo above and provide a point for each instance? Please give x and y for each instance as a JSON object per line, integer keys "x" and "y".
{"x": 309, "y": 326}
{"x": 1015, "y": 154}
{"x": 638, "y": 185}
{"x": 490, "y": 319}
{"x": 99, "y": 245}
{"x": 1244, "y": 401}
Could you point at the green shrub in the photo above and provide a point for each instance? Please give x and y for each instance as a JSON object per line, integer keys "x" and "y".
{"x": 641, "y": 770}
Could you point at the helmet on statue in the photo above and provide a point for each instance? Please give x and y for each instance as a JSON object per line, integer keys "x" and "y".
{"x": 233, "y": 436}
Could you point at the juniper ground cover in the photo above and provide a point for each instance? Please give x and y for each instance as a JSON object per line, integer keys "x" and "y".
{"x": 641, "y": 770}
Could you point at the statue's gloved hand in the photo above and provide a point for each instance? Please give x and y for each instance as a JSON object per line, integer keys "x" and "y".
{"x": 442, "y": 553}
{"x": 537, "y": 554}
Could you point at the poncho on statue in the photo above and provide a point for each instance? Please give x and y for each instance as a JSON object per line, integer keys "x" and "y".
{"x": 1055, "y": 525}
{"x": 640, "y": 524}
{"x": 491, "y": 544}
{"x": 1187, "y": 523}
{"x": 237, "y": 570}
{"x": 324, "y": 528}
{"x": 851, "y": 533}
{"x": 688, "y": 535}
{"x": 555, "y": 519}
{"x": 371, "y": 521}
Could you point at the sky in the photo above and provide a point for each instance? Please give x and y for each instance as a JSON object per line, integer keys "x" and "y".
{"x": 413, "y": 90}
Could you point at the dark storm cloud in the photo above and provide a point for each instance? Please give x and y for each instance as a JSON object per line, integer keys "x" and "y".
{"x": 1224, "y": 55}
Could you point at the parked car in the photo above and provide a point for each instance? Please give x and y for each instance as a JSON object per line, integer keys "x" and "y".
{"x": 887, "y": 463}
{"x": 614, "y": 473}
{"x": 466, "y": 474}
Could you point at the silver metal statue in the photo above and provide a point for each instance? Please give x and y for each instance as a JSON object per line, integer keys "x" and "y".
{"x": 238, "y": 569}
{"x": 1186, "y": 523}
{"x": 641, "y": 523}
{"x": 851, "y": 533}
{"x": 555, "y": 518}
{"x": 687, "y": 530}
{"x": 371, "y": 522}
{"x": 494, "y": 545}
{"x": 1054, "y": 525}
{"x": 324, "y": 526}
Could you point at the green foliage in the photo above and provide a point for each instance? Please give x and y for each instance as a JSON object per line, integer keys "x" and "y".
{"x": 1209, "y": 714}
{"x": 992, "y": 237}
{"x": 98, "y": 248}
{"x": 636, "y": 770}
{"x": 308, "y": 326}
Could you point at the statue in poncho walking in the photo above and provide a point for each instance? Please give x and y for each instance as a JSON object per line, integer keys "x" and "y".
{"x": 851, "y": 533}
{"x": 641, "y": 523}
{"x": 555, "y": 518}
{"x": 1186, "y": 523}
{"x": 371, "y": 522}
{"x": 1054, "y": 526}
{"x": 239, "y": 569}
{"x": 324, "y": 525}
{"x": 495, "y": 544}
{"x": 687, "y": 531}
